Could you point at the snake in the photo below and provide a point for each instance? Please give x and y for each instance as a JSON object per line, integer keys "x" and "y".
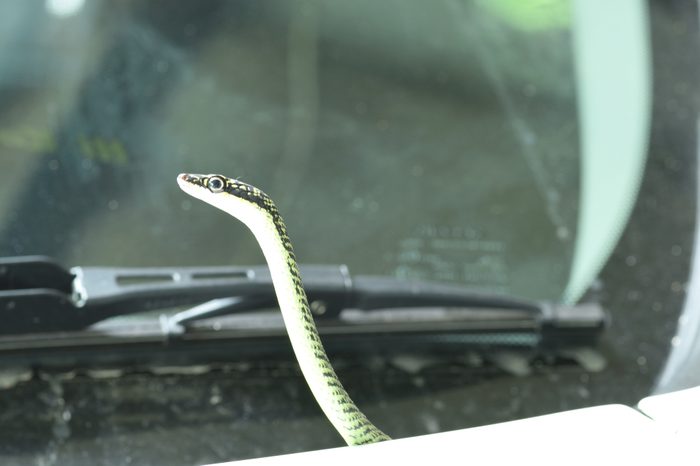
{"x": 258, "y": 212}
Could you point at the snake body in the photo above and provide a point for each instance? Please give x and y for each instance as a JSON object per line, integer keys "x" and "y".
{"x": 257, "y": 211}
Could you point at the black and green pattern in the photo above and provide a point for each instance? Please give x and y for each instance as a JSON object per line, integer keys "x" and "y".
{"x": 350, "y": 422}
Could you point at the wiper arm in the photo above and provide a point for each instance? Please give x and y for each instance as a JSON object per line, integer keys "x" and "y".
{"x": 37, "y": 296}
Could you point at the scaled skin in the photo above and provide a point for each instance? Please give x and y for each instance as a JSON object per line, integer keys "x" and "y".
{"x": 257, "y": 211}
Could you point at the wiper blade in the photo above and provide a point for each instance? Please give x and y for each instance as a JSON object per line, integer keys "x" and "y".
{"x": 37, "y": 296}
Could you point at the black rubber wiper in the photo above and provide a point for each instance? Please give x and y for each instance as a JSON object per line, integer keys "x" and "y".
{"x": 39, "y": 296}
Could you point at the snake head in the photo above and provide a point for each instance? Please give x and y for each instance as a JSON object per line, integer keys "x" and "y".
{"x": 214, "y": 183}
{"x": 227, "y": 194}
{"x": 204, "y": 187}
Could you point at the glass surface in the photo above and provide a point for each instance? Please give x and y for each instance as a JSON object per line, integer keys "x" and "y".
{"x": 419, "y": 140}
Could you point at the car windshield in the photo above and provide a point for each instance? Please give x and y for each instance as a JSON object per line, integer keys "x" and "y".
{"x": 539, "y": 149}
{"x": 431, "y": 143}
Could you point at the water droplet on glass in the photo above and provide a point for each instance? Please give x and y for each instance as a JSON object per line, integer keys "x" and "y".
{"x": 358, "y": 203}
{"x": 318, "y": 307}
{"x": 215, "y": 397}
{"x": 583, "y": 392}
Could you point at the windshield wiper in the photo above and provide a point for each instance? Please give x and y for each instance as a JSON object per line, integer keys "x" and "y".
{"x": 38, "y": 296}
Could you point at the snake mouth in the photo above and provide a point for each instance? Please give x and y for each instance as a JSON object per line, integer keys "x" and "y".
{"x": 190, "y": 178}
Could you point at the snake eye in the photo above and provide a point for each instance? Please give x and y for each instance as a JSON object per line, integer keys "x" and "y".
{"x": 216, "y": 184}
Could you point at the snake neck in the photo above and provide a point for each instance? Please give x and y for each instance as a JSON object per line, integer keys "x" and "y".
{"x": 332, "y": 397}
